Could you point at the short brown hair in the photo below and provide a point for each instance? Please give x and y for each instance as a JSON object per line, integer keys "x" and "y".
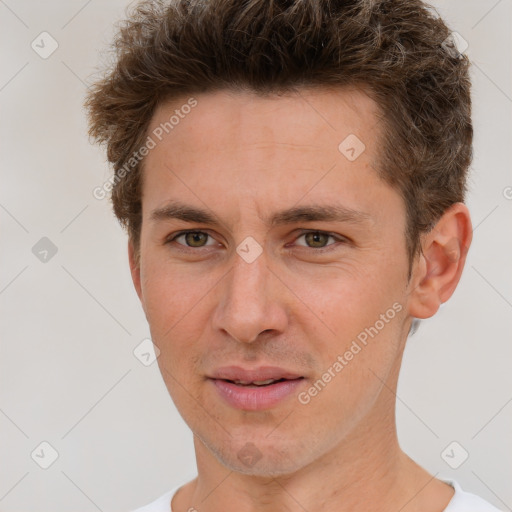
{"x": 398, "y": 50}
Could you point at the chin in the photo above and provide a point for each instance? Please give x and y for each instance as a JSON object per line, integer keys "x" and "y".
{"x": 267, "y": 461}
{"x": 264, "y": 468}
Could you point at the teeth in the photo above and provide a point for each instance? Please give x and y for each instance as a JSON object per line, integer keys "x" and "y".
{"x": 256, "y": 382}
{"x": 263, "y": 382}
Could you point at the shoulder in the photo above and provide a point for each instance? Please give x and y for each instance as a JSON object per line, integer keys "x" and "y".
{"x": 161, "y": 504}
{"x": 463, "y": 501}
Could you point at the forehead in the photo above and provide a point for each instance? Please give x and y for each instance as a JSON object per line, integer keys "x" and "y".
{"x": 307, "y": 117}
{"x": 235, "y": 133}
{"x": 241, "y": 148}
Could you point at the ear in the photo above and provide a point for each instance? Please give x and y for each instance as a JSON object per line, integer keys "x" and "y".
{"x": 135, "y": 269}
{"x": 438, "y": 269}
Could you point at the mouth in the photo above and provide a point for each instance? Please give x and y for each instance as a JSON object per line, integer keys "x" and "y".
{"x": 257, "y": 384}
{"x": 256, "y": 389}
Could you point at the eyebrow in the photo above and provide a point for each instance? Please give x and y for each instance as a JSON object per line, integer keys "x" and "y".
{"x": 313, "y": 213}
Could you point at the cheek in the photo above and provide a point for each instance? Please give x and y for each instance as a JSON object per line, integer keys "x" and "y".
{"x": 170, "y": 295}
{"x": 340, "y": 304}
{"x": 172, "y": 308}
{"x": 355, "y": 364}
{"x": 172, "y": 330}
{"x": 356, "y": 335}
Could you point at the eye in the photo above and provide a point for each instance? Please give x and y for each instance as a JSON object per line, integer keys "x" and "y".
{"x": 193, "y": 239}
{"x": 198, "y": 239}
{"x": 318, "y": 239}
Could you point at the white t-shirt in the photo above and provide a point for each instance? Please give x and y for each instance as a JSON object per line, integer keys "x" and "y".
{"x": 461, "y": 501}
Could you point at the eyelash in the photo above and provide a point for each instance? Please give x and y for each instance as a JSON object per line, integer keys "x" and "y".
{"x": 326, "y": 248}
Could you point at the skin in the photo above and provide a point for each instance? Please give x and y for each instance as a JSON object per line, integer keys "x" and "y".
{"x": 243, "y": 158}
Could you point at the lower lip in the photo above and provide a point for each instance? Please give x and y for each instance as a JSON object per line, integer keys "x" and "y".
{"x": 252, "y": 398}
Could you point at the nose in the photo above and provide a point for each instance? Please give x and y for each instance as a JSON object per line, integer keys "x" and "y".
{"x": 251, "y": 302}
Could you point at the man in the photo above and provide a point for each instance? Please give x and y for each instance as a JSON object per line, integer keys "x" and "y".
{"x": 292, "y": 177}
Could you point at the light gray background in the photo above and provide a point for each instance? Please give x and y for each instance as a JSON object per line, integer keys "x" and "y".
{"x": 69, "y": 326}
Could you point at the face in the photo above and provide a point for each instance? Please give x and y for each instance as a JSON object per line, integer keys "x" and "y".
{"x": 269, "y": 251}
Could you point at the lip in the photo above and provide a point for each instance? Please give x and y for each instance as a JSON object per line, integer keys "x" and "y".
{"x": 255, "y": 398}
{"x": 254, "y": 374}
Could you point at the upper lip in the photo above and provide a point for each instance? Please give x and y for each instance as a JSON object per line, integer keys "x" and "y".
{"x": 236, "y": 373}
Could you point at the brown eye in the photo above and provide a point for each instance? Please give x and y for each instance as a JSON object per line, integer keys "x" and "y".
{"x": 195, "y": 239}
{"x": 316, "y": 239}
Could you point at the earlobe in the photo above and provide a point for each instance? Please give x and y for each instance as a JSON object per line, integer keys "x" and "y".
{"x": 439, "y": 267}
